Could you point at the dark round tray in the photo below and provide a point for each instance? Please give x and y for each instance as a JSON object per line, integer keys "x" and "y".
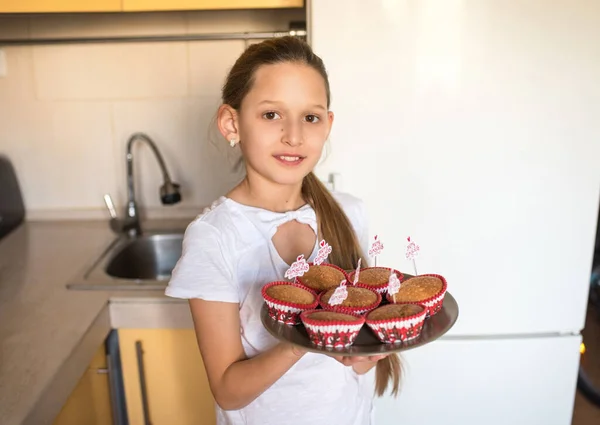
{"x": 366, "y": 343}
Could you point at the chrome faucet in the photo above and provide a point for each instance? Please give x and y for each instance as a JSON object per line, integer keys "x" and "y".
{"x": 169, "y": 191}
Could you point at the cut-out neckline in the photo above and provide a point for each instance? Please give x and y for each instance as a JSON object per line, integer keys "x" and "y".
{"x": 310, "y": 255}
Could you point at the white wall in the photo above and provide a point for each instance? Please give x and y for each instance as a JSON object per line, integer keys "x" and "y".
{"x": 67, "y": 111}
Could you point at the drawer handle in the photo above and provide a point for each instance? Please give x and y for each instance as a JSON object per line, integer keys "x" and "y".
{"x": 140, "y": 361}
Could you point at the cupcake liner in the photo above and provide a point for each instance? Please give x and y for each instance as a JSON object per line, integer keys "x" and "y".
{"x": 301, "y": 282}
{"x": 382, "y": 289}
{"x": 433, "y": 304}
{"x": 350, "y": 310}
{"x": 331, "y": 333}
{"x": 400, "y": 329}
{"x": 283, "y": 311}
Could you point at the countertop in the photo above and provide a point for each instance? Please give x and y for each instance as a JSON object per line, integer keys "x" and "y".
{"x": 48, "y": 334}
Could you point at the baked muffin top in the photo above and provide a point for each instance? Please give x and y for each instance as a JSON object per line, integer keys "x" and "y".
{"x": 357, "y": 297}
{"x": 321, "y": 278}
{"x": 331, "y": 316}
{"x": 394, "y": 311}
{"x": 419, "y": 288}
{"x": 290, "y": 294}
{"x": 374, "y": 276}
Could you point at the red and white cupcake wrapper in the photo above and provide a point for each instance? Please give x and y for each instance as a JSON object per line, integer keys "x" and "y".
{"x": 382, "y": 289}
{"x": 398, "y": 330}
{"x": 350, "y": 310}
{"x": 331, "y": 333}
{"x": 283, "y": 311}
{"x": 433, "y": 304}
{"x": 300, "y": 281}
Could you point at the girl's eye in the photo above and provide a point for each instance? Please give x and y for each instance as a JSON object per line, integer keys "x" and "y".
{"x": 271, "y": 115}
{"x": 312, "y": 118}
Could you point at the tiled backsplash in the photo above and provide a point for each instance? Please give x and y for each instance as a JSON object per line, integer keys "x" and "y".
{"x": 66, "y": 111}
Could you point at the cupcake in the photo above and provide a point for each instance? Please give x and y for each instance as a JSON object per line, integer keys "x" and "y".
{"x": 395, "y": 323}
{"x": 330, "y": 328}
{"x": 322, "y": 277}
{"x": 427, "y": 290}
{"x": 375, "y": 278}
{"x": 359, "y": 300}
{"x": 287, "y": 300}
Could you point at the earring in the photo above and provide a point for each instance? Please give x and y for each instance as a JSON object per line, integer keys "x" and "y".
{"x": 232, "y": 142}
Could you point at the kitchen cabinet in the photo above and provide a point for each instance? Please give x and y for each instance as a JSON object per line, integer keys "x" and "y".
{"x": 64, "y": 6}
{"x": 89, "y": 402}
{"x": 173, "y": 377}
{"x": 56, "y": 6}
{"x": 163, "y": 5}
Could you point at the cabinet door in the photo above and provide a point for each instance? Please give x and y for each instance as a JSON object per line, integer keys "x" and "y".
{"x": 49, "y": 6}
{"x": 176, "y": 384}
{"x": 150, "y": 5}
{"x": 89, "y": 402}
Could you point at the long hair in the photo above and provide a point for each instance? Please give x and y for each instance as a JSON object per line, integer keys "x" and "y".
{"x": 334, "y": 225}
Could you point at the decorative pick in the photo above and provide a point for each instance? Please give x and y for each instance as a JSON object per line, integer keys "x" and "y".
{"x": 412, "y": 252}
{"x": 376, "y": 249}
{"x": 323, "y": 253}
{"x": 393, "y": 285}
{"x": 339, "y": 295}
{"x": 298, "y": 268}
{"x": 357, "y": 272}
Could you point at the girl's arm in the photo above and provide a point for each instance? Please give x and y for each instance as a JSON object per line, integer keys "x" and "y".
{"x": 361, "y": 365}
{"x": 235, "y": 381}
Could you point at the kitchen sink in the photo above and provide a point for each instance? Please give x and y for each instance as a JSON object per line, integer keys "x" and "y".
{"x": 148, "y": 257}
{"x": 140, "y": 262}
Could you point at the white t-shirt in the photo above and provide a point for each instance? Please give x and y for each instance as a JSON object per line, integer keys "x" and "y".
{"x": 228, "y": 255}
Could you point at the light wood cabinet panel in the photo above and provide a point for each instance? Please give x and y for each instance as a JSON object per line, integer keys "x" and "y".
{"x": 177, "y": 387}
{"x": 56, "y": 6}
{"x": 65, "y": 6}
{"x": 155, "y": 5}
{"x": 89, "y": 402}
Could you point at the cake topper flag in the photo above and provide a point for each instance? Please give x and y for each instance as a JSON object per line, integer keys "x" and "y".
{"x": 376, "y": 248}
{"x": 298, "y": 268}
{"x": 339, "y": 295}
{"x": 323, "y": 253}
{"x": 393, "y": 285}
{"x": 412, "y": 251}
{"x": 355, "y": 281}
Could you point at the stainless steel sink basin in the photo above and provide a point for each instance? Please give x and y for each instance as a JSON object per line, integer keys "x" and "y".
{"x": 141, "y": 262}
{"x": 149, "y": 257}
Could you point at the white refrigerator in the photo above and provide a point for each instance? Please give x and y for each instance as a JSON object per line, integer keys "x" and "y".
{"x": 474, "y": 128}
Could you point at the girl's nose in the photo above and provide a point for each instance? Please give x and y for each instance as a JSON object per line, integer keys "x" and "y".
{"x": 292, "y": 134}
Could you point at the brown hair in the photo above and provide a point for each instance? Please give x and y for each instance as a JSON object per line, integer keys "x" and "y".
{"x": 334, "y": 225}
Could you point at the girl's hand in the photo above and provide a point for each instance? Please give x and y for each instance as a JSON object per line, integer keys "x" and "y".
{"x": 294, "y": 349}
{"x": 351, "y": 361}
{"x": 298, "y": 351}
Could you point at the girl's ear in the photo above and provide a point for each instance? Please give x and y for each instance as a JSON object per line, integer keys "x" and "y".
{"x": 330, "y": 122}
{"x": 227, "y": 121}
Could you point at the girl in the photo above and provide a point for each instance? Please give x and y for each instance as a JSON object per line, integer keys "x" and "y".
{"x": 276, "y": 110}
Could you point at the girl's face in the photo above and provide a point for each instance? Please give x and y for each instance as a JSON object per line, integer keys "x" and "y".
{"x": 283, "y": 122}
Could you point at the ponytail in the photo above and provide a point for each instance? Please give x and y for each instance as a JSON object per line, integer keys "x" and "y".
{"x": 334, "y": 225}
{"x": 388, "y": 369}
{"x": 336, "y": 229}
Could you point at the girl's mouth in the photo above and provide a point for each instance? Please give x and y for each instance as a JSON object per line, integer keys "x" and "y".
{"x": 289, "y": 159}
